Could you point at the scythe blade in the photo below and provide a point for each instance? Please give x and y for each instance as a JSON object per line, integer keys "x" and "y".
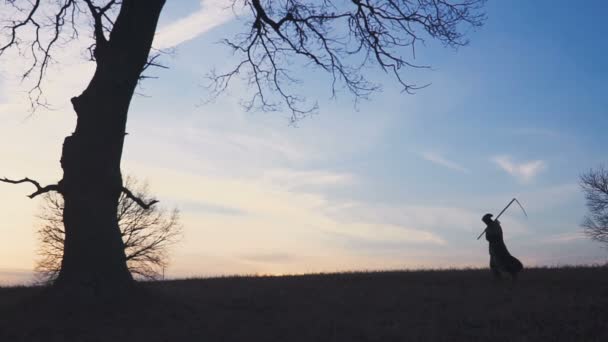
{"x": 521, "y": 206}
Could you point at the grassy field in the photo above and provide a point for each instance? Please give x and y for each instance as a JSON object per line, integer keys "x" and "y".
{"x": 546, "y": 304}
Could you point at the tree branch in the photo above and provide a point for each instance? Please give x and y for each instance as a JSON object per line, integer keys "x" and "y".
{"x": 340, "y": 38}
{"x": 39, "y": 189}
{"x": 138, "y": 200}
{"x": 44, "y": 27}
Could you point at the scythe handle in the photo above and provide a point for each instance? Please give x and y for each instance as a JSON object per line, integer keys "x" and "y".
{"x": 505, "y": 209}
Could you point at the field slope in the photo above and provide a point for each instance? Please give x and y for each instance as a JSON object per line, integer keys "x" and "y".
{"x": 546, "y": 304}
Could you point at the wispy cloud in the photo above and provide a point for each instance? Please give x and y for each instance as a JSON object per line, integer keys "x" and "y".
{"x": 387, "y": 234}
{"x": 212, "y": 13}
{"x": 564, "y": 238}
{"x": 524, "y": 172}
{"x": 298, "y": 178}
{"x": 450, "y": 220}
{"x": 438, "y": 159}
{"x": 279, "y": 219}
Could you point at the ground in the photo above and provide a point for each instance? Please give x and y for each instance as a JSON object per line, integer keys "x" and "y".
{"x": 544, "y": 304}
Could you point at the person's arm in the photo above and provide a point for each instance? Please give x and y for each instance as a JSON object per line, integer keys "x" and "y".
{"x": 492, "y": 231}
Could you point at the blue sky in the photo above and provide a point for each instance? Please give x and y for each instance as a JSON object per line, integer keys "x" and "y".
{"x": 398, "y": 181}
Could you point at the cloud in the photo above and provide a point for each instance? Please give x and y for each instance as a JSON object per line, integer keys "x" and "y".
{"x": 442, "y": 161}
{"x": 279, "y": 219}
{"x": 564, "y": 238}
{"x": 212, "y": 13}
{"x": 298, "y": 178}
{"x": 451, "y": 220}
{"x": 524, "y": 172}
{"x": 550, "y": 198}
{"x": 384, "y": 235}
{"x": 211, "y": 209}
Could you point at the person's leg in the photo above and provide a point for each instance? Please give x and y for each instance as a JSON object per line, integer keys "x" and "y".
{"x": 494, "y": 267}
{"x": 515, "y": 266}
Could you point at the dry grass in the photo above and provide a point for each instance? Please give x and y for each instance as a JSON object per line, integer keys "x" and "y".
{"x": 547, "y": 304}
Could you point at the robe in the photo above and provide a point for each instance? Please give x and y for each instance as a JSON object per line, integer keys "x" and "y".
{"x": 500, "y": 258}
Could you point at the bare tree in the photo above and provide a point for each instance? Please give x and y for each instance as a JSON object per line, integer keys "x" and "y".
{"x": 340, "y": 38}
{"x": 146, "y": 233}
{"x": 595, "y": 186}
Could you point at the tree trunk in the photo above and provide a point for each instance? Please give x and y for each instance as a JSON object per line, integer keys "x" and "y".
{"x": 94, "y": 256}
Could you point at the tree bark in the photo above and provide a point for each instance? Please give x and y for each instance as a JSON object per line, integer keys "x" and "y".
{"x": 94, "y": 254}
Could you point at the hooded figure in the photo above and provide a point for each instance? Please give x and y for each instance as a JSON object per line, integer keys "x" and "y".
{"x": 500, "y": 258}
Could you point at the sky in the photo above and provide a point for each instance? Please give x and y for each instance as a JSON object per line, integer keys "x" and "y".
{"x": 398, "y": 181}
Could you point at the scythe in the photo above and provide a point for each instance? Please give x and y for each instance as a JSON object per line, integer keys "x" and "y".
{"x": 505, "y": 209}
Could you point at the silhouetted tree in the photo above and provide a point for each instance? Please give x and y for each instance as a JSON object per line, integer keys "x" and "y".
{"x": 146, "y": 233}
{"x": 595, "y": 186}
{"x": 338, "y": 37}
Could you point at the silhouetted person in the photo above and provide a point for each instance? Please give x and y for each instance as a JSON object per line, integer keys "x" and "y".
{"x": 500, "y": 258}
